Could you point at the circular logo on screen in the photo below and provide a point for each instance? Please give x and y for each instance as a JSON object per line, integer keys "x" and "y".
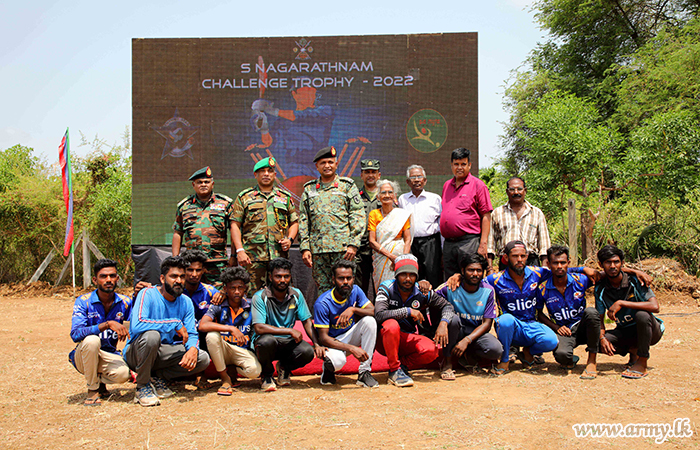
{"x": 426, "y": 130}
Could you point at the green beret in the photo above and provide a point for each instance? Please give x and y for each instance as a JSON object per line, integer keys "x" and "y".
{"x": 265, "y": 162}
{"x": 204, "y": 172}
{"x": 327, "y": 152}
{"x": 371, "y": 164}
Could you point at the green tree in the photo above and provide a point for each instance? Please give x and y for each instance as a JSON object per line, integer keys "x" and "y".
{"x": 571, "y": 150}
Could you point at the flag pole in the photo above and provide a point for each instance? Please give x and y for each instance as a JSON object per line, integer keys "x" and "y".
{"x": 65, "y": 163}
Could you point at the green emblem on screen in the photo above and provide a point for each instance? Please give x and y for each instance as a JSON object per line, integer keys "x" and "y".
{"x": 426, "y": 130}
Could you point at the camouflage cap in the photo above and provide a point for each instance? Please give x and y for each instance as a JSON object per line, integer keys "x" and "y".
{"x": 204, "y": 172}
{"x": 265, "y": 162}
{"x": 370, "y": 164}
{"x": 326, "y": 152}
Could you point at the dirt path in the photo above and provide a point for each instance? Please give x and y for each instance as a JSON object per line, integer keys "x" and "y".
{"x": 41, "y": 396}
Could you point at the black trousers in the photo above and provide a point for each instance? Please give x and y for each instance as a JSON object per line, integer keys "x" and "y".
{"x": 645, "y": 332}
{"x": 147, "y": 356}
{"x": 455, "y": 248}
{"x": 365, "y": 269}
{"x": 587, "y": 331}
{"x": 286, "y": 350}
{"x": 486, "y": 346}
{"x": 428, "y": 250}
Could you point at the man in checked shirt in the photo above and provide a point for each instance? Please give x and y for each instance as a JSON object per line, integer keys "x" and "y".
{"x": 518, "y": 220}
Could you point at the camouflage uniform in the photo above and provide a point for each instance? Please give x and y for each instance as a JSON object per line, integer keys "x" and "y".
{"x": 364, "y": 268}
{"x": 204, "y": 227}
{"x": 264, "y": 220}
{"x": 332, "y": 216}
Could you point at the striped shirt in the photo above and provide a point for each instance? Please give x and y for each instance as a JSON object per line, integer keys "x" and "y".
{"x": 531, "y": 228}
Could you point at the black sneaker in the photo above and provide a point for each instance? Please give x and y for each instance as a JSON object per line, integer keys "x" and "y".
{"x": 328, "y": 375}
{"x": 365, "y": 379}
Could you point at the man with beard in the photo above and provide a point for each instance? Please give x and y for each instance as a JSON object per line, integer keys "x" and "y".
{"x": 516, "y": 289}
{"x": 631, "y": 305}
{"x": 475, "y": 310}
{"x": 202, "y": 222}
{"x": 160, "y": 314}
{"x": 370, "y": 173}
{"x": 97, "y": 326}
{"x": 344, "y": 320}
{"x": 276, "y": 308}
{"x": 264, "y": 223}
{"x": 227, "y": 329}
{"x": 425, "y": 208}
{"x": 399, "y": 307}
{"x": 518, "y": 220}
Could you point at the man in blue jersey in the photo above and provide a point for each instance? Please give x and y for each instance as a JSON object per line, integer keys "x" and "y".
{"x": 564, "y": 295}
{"x": 344, "y": 320}
{"x": 516, "y": 292}
{"x": 200, "y": 293}
{"x": 474, "y": 303}
{"x": 399, "y": 307}
{"x": 162, "y": 314}
{"x": 227, "y": 329}
{"x": 631, "y": 305}
{"x": 276, "y": 308}
{"x": 97, "y": 326}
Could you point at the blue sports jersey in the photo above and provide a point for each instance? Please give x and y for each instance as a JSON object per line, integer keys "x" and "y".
{"x": 266, "y": 309}
{"x": 88, "y": 313}
{"x": 201, "y": 299}
{"x": 151, "y": 311}
{"x": 241, "y": 319}
{"x": 327, "y": 309}
{"x": 472, "y": 308}
{"x": 511, "y": 299}
{"x": 565, "y": 310}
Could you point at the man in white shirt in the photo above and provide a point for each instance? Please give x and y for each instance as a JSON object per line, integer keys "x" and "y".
{"x": 425, "y": 208}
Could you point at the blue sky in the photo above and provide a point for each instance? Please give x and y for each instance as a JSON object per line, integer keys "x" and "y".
{"x": 68, "y": 63}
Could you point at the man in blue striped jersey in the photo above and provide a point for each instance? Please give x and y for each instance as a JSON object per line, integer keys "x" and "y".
{"x": 163, "y": 314}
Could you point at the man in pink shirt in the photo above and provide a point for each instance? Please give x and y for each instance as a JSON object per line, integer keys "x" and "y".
{"x": 465, "y": 221}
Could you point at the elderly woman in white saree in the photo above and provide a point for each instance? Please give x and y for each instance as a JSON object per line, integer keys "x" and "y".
{"x": 389, "y": 232}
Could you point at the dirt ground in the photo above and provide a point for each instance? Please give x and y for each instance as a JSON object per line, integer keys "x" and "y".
{"x": 41, "y": 399}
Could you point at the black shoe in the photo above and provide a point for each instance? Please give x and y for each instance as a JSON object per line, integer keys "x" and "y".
{"x": 328, "y": 375}
{"x": 405, "y": 370}
{"x": 365, "y": 379}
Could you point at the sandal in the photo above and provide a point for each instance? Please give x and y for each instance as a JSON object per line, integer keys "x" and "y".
{"x": 586, "y": 375}
{"x": 225, "y": 391}
{"x": 448, "y": 375}
{"x": 576, "y": 360}
{"x": 521, "y": 357}
{"x": 92, "y": 401}
{"x": 634, "y": 374}
{"x": 497, "y": 372}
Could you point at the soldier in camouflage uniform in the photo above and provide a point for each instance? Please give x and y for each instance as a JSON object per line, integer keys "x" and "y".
{"x": 370, "y": 174}
{"x": 264, "y": 224}
{"x": 201, "y": 223}
{"x": 331, "y": 220}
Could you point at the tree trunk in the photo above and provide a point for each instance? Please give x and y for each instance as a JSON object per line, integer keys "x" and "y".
{"x": 588, "y": 219}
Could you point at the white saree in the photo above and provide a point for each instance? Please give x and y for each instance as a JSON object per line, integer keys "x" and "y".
{"x": 386, "y": 234}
